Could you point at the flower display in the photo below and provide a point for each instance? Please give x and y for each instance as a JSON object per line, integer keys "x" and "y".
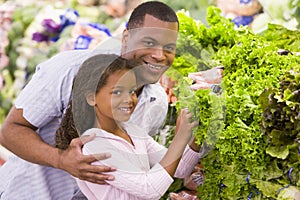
{"x": 51, "y": 29}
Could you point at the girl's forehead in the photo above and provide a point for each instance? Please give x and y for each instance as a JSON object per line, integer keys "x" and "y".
{"x": 121, "y": 77}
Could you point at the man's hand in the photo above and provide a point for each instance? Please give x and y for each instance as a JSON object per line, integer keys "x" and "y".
{"x": 75, "y": 163}
{"x": 205, "y": 79}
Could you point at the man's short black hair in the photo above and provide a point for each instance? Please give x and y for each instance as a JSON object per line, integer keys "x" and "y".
{"x": 156, "y": 9}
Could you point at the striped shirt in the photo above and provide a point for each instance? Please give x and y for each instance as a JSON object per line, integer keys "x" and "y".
{"x": 139, "y": 174}
{"x": 44, "y": 100}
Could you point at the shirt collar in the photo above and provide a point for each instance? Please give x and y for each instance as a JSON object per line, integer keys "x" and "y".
{"x": 148, "y": 94}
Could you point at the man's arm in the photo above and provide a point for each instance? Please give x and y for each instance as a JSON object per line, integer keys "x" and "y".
{"x": 20, "y": 137}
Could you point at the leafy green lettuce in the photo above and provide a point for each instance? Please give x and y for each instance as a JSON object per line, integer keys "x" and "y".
{"x": 242, "y": 161}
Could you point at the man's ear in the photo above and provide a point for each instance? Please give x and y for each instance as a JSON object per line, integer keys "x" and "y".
{"x": 90, "y": 99}
{"x": 124, "y": 41}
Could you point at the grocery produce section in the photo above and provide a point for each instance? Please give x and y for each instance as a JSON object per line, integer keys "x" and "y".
{"x": 249, "y": 124}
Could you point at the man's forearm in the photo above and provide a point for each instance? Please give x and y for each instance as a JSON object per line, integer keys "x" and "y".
{"x": 19, "y": 136}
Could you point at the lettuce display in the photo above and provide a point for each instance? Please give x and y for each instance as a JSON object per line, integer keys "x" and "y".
{"x": 285, "y": 13}
{"x": 245, "y": 154}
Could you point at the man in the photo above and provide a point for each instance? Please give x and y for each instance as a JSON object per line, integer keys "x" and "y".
{"x": 29, "y": 129}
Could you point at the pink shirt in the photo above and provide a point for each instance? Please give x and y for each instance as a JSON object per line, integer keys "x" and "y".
{"x": 139, "y": 174}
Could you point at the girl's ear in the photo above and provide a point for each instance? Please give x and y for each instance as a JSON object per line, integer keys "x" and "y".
{"x": 90, "y": 99}
{"x": 124, "y": 41}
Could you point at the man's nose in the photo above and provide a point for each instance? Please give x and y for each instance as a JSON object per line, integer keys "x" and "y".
{"x": 158, "y": 53}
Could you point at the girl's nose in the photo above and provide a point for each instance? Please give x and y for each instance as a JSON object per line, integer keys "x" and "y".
{"x": 128, "y": 98}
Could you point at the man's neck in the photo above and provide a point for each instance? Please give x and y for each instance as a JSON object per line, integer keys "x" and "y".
{"x": 139, "y": 91}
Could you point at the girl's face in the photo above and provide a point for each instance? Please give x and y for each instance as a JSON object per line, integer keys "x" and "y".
{"x": 117, "y": 99}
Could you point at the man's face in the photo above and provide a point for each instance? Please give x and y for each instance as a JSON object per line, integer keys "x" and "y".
{"x": 154, "y": 45}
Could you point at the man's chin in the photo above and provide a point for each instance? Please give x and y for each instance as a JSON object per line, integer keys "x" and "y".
{"x": 151, "y": 81}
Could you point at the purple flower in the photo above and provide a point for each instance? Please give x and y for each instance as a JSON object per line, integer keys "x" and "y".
{"x": 245, "y": 1}
{"x": 39, "y": 37}
{"x": 242, "y": 20}
{"x": 51, "y": 26}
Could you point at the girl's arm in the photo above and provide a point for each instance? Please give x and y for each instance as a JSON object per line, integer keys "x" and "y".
{"x": 182, "y": 137}
{"x": 152, "y": 181}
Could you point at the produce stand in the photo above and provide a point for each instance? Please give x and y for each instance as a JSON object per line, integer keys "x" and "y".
{"x": 249, "y": 124}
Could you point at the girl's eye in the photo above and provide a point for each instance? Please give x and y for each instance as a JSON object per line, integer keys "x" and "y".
{"x": 116, "y": 92}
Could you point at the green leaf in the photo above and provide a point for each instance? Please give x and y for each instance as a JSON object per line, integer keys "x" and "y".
{"x": 278, "y": 151}
{"x": 269, "y": 189}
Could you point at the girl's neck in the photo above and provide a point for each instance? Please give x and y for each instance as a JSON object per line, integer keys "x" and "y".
{"x": 114, "y": 128}
{"x": 109, "y": 126}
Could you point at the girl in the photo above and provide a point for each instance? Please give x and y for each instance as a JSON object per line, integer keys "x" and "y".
{"x": 103, "y": 98}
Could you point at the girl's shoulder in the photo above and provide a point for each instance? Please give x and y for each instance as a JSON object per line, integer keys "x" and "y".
{"x": 98, "y": 133}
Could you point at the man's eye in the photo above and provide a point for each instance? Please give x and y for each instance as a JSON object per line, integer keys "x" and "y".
{"x": 149, "y": 43}
{"x": 169, "y": 48}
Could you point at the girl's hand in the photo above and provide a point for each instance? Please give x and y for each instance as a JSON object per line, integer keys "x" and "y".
{"x": 184, "y": 125}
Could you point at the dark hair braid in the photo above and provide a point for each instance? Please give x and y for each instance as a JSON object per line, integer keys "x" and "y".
{"x": 67, "y": 126}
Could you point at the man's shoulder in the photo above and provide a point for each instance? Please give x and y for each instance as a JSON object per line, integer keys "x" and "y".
{"x": 111, "y": 45}
{"x": 67, "y": 62}
{"x": 64, "y": 60}
{"x": 73, "y": 56}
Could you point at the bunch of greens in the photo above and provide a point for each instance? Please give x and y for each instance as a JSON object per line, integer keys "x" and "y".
{"x": 240, "y": 165}
{"x": 196, "y": 46}
{"x": 281, "y": 125}
{"x": 196, "y": 8}
{"x": 285, "y": 13}
{"x": 282, "y": 37}
{"x": 251, "y": 65}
